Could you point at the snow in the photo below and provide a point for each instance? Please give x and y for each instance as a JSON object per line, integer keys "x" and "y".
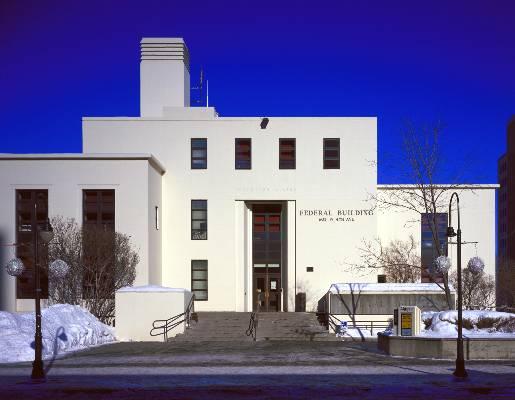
{"x": 385, "y": 287}
{"x": 150, "y": 288}
{"x": 64, "y": 328}
{"x": 444, "y": 324}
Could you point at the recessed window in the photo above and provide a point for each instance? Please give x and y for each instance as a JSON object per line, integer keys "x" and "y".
{"x": 198, "y": 219}
{"x": 31, "y": 213}
{"x": 157, "y": 218}
{"x": 381, "y": 278}
{"x": 243, "y": 153}
{"x": 286, "y": 153}
{"x": 332, "y": 153}
{"x": 199, "y": 279}
{"x": 98, "y": 208}
{"x": 198, "y": 153}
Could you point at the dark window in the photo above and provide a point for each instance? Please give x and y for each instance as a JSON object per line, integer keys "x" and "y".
{"x": 286, "y": 153}
{"x": 198, "y": 219}
{"x": 31, "y": 213}
{"x": 199, "y": 279}
{"x": 433, "y": 242}
{"x": 98, "y": 208}
{"x": 98, "y": 239}
{"x": 381, "y": 278}
{"x": 331, "y": 153}
{"x": 198, "y": 153}
{"x": 243, "y": 153}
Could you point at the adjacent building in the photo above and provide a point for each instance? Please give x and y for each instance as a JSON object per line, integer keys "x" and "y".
{"x": 506, "y": 222}
{"x": 226, "y": 207}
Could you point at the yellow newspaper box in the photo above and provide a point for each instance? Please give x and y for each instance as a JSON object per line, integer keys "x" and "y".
{"x": 408, "y": 321}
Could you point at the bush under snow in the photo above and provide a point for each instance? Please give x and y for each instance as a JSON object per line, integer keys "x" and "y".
{"x": 64, "y": 327}
{"x": 475, "y": 323}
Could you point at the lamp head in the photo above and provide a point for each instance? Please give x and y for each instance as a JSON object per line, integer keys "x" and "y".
{"x": 264, "y": 123}
{"x": 46, "y": 233}
{"x": 450, "y": 232}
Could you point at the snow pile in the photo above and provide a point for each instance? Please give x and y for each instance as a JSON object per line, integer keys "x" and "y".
{"x": 475, "y": 324}
{"x": 65, "y": 328}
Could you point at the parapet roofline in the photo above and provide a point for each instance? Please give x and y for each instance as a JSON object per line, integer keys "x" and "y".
{"x": 460, "y": 186}
{"x": 218, "y": 118}
{"x": 86, "y": 156}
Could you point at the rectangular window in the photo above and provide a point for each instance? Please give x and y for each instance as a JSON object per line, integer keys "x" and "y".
{"x": 157, "y": 217}
{"x": 332, "y": 153}
{"x": 31, "y": 213}
{"x": 243, "y": 153}
{"x": 98, "y": 240}
{"x": 98, "y": 208}
{"x": 199, "y": 279}
{"x": 198, "y": 153}
{"x": 433, "y": 236}
{"x": 286, "y": 153}
{"x": 198, "y": 219}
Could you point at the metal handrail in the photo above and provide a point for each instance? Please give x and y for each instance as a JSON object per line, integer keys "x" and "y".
{"x": 163, "y": 326}
{"x": 334, "y": 322}
{"x": 254, "y": 320}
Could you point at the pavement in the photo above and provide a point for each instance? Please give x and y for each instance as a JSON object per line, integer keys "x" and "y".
{"x": 255, "y": 370}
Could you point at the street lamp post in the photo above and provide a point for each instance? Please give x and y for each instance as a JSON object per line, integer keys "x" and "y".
{"x": 460, "y": 361}
{"x": 46, "y": 233}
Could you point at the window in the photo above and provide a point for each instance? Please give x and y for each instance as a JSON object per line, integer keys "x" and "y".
{"x": 286, "y": 153}
{"x": 381, "y": 278}
{"x": 433, "y": 230}
{"x": 198, "y": 153}
{"x": 157, "y": 217}
{"x": 243, "y": 153}
{"x": 27, "y": 222}
{"x": 98, "y": 240}
{"x": 199, "y": 279}
{"x": 98, "y": 208}
{"x": 332, "y": 153}
{"x": 198, "y": 219}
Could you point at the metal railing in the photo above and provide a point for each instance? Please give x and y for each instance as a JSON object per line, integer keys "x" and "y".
{"x": 163, "y": 326}
{"x": 335, "y": 323}
{"x": 254, "y": 320}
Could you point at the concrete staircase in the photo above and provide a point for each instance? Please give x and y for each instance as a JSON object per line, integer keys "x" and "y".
{"x": 231, "y": 326}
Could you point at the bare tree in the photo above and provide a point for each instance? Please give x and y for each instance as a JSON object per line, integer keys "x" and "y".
{"x": 421, "y": 165}
{"x": 478, "y": 290}
{"x": 399, "y": 260}
{"x": 67, "y": 246}
{"x": 351, "y": 303}
{"x": 101, "y": 261}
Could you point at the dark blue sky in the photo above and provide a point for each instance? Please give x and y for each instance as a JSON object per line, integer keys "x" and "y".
{"x": 452, "y": 61}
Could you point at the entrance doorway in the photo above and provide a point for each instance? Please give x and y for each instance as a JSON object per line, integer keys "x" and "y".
{"x": 267, "y": 256}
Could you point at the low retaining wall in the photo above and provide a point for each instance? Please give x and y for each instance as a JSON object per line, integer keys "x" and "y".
{"x": 445, "y": 348}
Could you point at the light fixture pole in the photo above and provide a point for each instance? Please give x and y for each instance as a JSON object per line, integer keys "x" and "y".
{"x": 460, "y": 361}
{"x": 47, "y": 234}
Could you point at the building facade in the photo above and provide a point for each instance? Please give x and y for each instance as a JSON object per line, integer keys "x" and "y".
{"x": 231, "y": 208}
{"x": 506, "y": 222}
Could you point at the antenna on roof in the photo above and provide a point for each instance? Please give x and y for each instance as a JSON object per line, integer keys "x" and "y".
{"x": 199, "y": 87}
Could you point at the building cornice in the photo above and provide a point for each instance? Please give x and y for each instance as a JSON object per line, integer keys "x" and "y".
{"x": 154, "y": 162}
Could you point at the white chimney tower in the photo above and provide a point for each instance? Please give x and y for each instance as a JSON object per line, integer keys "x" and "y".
{"x": 164, "y": 75}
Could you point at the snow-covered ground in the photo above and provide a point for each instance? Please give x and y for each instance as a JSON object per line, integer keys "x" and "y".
{"x": 65, "y": 328}
{"x": 483, "y": 323}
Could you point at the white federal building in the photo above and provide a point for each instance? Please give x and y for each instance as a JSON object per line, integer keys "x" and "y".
{"x": 226, "y": 207}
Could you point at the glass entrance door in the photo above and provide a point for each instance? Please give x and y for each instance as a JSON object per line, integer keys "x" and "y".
{"x": 266, "y": 257}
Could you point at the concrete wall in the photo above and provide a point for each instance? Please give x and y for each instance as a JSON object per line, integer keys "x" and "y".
{"x": 65, "y": 179}
{"x": 327, "y": 246}
{"x": 385, "y": 303}
{"x": 474, "y": 348}
{"x": 477, "y": 209}
{"x": 137, "y": 308}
